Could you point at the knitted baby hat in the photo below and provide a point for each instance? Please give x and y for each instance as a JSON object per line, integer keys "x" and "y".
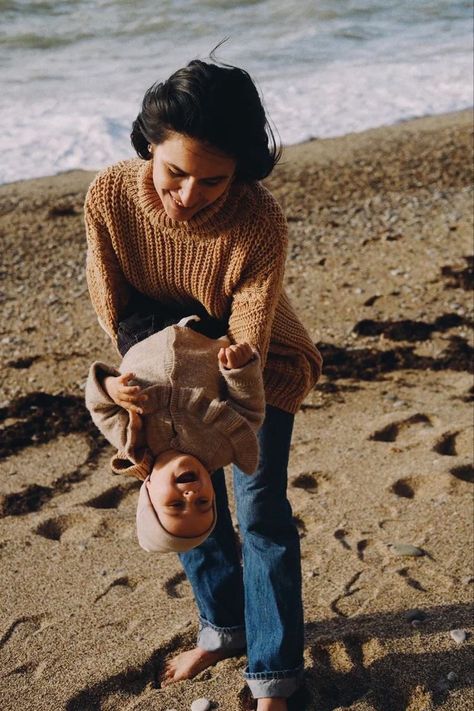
{"x": 153, "y": 537}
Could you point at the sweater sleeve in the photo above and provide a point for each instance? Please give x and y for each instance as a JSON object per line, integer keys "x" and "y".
{"x": 108, "y": 288}
{"x": 245, "y": 391}
{"x": 256, "y": 295}
{"x": 111, "y": 419}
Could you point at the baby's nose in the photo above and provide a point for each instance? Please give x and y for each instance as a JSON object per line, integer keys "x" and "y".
{"x": 191, "y": 490}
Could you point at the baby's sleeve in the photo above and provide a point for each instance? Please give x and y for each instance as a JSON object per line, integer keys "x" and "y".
{"x": 110, "y": 419}
{"x": 245, "y": 390}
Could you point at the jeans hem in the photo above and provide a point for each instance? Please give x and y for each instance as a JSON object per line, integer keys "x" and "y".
{"x": 213, "y": 638}
{"x": 274, "y": 684}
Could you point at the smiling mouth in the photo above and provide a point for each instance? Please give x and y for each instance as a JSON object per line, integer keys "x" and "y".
{"x": 186, "y": 478}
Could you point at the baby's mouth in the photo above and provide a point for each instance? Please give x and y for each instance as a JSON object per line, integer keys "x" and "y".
{"x": 186, "y": 477}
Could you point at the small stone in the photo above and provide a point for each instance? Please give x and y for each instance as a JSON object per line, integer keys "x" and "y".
{"x": 459, "y": 636}
{"x": 468, "y": 579}
{"x": 452, "y": 676}
{"x": 416, "y": 615}
{"x": 416, "y": 624}
{"x": 200, "y": 705}
{"x": 406, "y": 549}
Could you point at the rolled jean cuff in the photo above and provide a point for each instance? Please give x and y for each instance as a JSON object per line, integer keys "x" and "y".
{"x": 212, "y": 638}
{"x": 274, "y": 684}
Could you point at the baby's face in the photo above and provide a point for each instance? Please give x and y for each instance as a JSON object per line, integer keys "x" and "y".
{"x": 182, "y": 494}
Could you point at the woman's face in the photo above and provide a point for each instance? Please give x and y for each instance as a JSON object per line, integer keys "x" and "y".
{"x": 189, "y": 175}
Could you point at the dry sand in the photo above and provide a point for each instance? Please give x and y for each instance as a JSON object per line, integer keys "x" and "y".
{"x": 379, "y": 267}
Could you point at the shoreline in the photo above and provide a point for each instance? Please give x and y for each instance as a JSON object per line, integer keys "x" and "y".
{"x": 423, "y": 122}
{"x": 379, "y": 268}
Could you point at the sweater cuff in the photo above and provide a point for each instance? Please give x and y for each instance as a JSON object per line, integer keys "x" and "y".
{"x": 95, "y": 391}
{"x": 245, "y": 377}
{"x": 140, "y": 468}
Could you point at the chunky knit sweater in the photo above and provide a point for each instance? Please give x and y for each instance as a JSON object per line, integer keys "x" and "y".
{"x": 229, "y": 258}
{"x": 193, "y": 404}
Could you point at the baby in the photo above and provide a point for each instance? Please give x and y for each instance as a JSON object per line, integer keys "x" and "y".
{"x": 180, "y": 406}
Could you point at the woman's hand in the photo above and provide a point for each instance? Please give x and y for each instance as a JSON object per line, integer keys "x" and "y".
{"x": 236, "y": 356}
{"x": 130, "y": 397}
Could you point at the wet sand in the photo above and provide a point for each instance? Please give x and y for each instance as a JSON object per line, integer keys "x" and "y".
{"x": 379, "y": 268}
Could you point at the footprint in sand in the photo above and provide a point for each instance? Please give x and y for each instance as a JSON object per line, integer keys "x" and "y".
{"x": 393, "y": 430}
{"x": 21, "y": 629}
{"x": 113, "y": 497}
{"x": 175, "y": 586}
{"x": 446, "y": 444}
{"x": 121, "y": 584}
{"x": 464, "y": 472}
{"x": 54, "y": 528}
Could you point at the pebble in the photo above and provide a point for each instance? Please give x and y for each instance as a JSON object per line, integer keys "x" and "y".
{"x": 416, "y": 615}
{"x": 452, "y": 676}
{"x": 406, "y": 549}
{"x": 200, "y": 705}
{"x": 458, "y": 635}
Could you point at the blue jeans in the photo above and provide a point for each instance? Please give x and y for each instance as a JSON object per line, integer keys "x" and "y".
{"x": 257, "y": 605}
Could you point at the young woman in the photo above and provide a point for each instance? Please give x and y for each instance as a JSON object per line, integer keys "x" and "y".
{"x": 188, "y": 225}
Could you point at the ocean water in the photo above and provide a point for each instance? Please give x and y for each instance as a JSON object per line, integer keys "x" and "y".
{"x": 73, "y": 72}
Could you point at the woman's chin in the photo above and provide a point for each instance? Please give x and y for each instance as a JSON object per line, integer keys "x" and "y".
{"x": 178, "y": 213}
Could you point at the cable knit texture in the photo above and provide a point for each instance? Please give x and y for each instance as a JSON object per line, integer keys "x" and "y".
{"x": 230, "y": 258}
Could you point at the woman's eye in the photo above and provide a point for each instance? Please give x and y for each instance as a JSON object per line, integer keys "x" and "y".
{"x": 212, "y": 182}
{"x": 174, "y": 174}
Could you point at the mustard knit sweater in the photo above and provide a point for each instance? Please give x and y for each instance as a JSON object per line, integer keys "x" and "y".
{"x": 230, "y": 258}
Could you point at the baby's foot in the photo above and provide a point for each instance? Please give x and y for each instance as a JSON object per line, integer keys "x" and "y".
{"x": 188, "y": 664}
{"x": 278, "y": 704}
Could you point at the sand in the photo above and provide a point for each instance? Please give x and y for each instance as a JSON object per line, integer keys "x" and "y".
{"x": 379, "y": 268}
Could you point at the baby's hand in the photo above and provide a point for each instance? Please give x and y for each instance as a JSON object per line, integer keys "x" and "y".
{"x": 236, "y": 356}
{"x": 130, "y": 397}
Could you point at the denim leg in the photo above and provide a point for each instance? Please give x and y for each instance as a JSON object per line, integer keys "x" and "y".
{"x": 271, "y": 565}
{"x": 215, "y": 574}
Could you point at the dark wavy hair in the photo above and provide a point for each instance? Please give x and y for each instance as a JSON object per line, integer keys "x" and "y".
{"x": 213, "y": 103}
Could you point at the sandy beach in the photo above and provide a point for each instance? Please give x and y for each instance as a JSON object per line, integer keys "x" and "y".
{"x": 380, "y": 269}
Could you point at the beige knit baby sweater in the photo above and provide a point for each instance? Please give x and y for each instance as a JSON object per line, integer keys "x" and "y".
{"x": 193, "y": 404}
{"x": 230, "y": 258}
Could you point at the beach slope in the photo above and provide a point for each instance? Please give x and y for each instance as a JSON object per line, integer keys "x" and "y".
{"x": 379, "y": 268}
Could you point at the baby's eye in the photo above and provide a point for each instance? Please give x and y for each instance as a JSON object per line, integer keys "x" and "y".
{"x": 177, "y": 504}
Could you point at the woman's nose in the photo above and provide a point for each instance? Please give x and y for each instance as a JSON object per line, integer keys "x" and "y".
{"x": 189, "y": 193}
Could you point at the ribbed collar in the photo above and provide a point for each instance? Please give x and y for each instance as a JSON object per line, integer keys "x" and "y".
{"x": 207, "y": 223}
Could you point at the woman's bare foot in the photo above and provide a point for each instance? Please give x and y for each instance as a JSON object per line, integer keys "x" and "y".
{"x": 188, "y": 664}
{"x": 276, "y": 704}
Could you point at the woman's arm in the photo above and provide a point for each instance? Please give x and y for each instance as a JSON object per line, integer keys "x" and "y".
{"x": 108, "y": 288}
{"x": 256, "y": 295}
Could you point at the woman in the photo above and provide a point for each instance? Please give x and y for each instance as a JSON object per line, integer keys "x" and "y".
{"x": 189, "y": 225}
